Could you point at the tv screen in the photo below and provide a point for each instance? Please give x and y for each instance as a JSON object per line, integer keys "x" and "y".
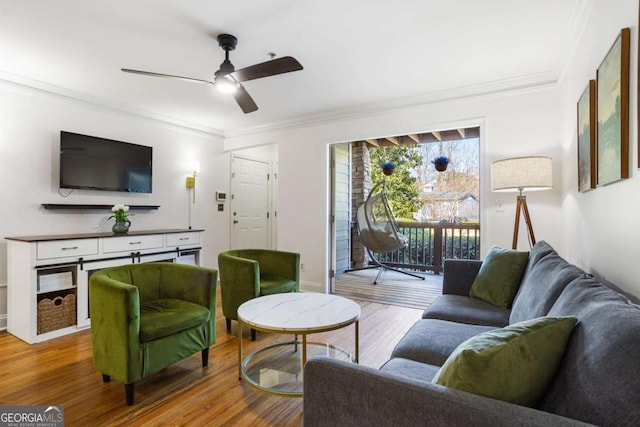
{"x": 89, "y": 162}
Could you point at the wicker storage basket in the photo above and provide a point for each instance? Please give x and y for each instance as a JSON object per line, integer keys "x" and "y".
{"x": 56, "y": 313}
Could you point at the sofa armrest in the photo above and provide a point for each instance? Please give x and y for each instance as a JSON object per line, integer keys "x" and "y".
{"x": 459, "y": 275}
{"x": 345, "y": 394}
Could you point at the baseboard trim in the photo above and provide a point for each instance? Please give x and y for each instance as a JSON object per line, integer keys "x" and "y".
{"x": 312, "y": 287}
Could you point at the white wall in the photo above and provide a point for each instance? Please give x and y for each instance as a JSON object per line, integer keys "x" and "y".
{"x": 601, "y": 229}
{"x": 514, "y": 124}
{"x": 30, "y": 126}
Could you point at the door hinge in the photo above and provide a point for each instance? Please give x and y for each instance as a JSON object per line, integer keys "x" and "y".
{"x": 267, "y": 215}
{"x": 332, "y": 274}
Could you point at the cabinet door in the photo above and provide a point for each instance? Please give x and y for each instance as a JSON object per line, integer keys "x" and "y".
{"x": 84, "y": 316}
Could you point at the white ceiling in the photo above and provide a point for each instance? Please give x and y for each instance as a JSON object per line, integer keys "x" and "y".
{"x": 357, "y": 54}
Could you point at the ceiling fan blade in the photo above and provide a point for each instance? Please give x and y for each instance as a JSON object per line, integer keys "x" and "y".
{"x": 244, "y": 100}
{"x": 167, "y": 76}
{"x": 286, "y": 64}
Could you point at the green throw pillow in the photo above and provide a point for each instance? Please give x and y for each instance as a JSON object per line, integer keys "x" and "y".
{"x": 499, "y": 277}
{"x": 515, "y": 364}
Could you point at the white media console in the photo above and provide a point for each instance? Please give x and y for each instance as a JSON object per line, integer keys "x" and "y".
{"x": 46, "y": 272}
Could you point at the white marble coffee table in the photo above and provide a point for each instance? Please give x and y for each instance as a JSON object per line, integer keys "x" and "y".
{"x": 278, "y": 368}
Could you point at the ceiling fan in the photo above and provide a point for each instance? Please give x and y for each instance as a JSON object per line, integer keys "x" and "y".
{"x": 227, "y": 78}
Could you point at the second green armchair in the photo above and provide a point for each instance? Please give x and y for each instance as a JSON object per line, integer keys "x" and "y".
{"x": 250, "y": 273}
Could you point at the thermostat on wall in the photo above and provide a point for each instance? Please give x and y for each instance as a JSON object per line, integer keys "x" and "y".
{"x": 220, "y": 196}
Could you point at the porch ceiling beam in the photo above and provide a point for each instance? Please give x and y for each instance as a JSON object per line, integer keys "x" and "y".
{"x": 393, "y": 140}
{"x": 428, "y": 137}
{"x": 415, "y": 138}
{"x": 462, "y": 133}
{"x": 373, "y": 142}
{"x": 437, "y": 135}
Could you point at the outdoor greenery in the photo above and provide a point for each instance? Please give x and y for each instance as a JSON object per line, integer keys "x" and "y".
{"x": 417, "y": 191}
{"x": 401, "y": 187}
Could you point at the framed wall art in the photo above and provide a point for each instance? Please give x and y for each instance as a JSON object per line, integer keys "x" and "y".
{"x": 612, "y": 112}
{"x": 587, "y": 138}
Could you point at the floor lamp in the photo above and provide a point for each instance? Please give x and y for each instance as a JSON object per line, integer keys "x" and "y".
{"x": 519, "y": 174}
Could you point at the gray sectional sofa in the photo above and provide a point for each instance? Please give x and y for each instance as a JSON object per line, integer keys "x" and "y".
{"x": 597, "y": 382}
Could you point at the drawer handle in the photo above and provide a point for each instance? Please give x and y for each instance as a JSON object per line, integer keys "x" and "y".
{"x": 70, "y": 248}
{"x": 135, "y": 243}
{"x": 183, "y": 238}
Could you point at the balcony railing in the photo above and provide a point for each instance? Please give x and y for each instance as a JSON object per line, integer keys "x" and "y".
{"x": 430, "y": 243}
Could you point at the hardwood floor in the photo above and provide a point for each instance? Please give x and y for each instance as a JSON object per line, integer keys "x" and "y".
{"x": 61, "y": 372}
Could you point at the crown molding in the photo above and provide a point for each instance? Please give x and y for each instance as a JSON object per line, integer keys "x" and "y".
{"x": 473, "y": 92}
{"x": 27, "y": 85}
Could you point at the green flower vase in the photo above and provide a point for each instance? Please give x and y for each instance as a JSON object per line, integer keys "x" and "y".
{"x": 121, "y": 226}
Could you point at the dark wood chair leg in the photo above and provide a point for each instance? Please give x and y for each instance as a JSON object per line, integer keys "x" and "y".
{"x": 205, "y": 357}
{"x": 106, "y": 378}
{"x": 130, "y": 391}
{"x": 253, "y": 335}
{"x": 228, "y": 324}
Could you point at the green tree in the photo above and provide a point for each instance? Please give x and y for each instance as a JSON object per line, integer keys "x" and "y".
{"x": 402, "y": 186}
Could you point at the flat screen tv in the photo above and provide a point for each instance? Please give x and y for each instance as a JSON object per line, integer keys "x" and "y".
{"x": 89, "y": 162}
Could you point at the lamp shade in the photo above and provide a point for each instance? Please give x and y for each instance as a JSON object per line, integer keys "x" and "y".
{"x": 522, "y": 173}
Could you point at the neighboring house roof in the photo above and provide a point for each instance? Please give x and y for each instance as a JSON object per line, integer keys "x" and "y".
{"x": 448, "y": 196}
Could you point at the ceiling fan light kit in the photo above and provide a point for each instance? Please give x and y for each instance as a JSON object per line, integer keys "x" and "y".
{"x": 228, "y": 80}
{"x": 225, "y": 83}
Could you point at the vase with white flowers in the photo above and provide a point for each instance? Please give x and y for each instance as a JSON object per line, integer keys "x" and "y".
{"x": 122, "y": 219}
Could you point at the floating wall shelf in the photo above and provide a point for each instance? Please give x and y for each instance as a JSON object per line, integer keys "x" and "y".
{"x": 73, "y": 206}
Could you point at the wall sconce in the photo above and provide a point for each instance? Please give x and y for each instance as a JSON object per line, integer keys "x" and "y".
{"x": 191, "y": 180}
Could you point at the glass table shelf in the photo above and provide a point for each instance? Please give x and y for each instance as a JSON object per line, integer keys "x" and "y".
{"x": 277, "y": 368}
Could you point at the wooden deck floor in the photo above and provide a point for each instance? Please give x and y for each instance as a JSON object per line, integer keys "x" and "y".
{"x": 392, "y": 288}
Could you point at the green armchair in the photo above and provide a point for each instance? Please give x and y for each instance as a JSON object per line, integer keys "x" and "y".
{"x": 145, "y": 317}
{"x": 250, "y": 273}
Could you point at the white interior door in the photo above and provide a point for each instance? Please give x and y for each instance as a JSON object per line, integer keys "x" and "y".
{"x": 249, "y": 204}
